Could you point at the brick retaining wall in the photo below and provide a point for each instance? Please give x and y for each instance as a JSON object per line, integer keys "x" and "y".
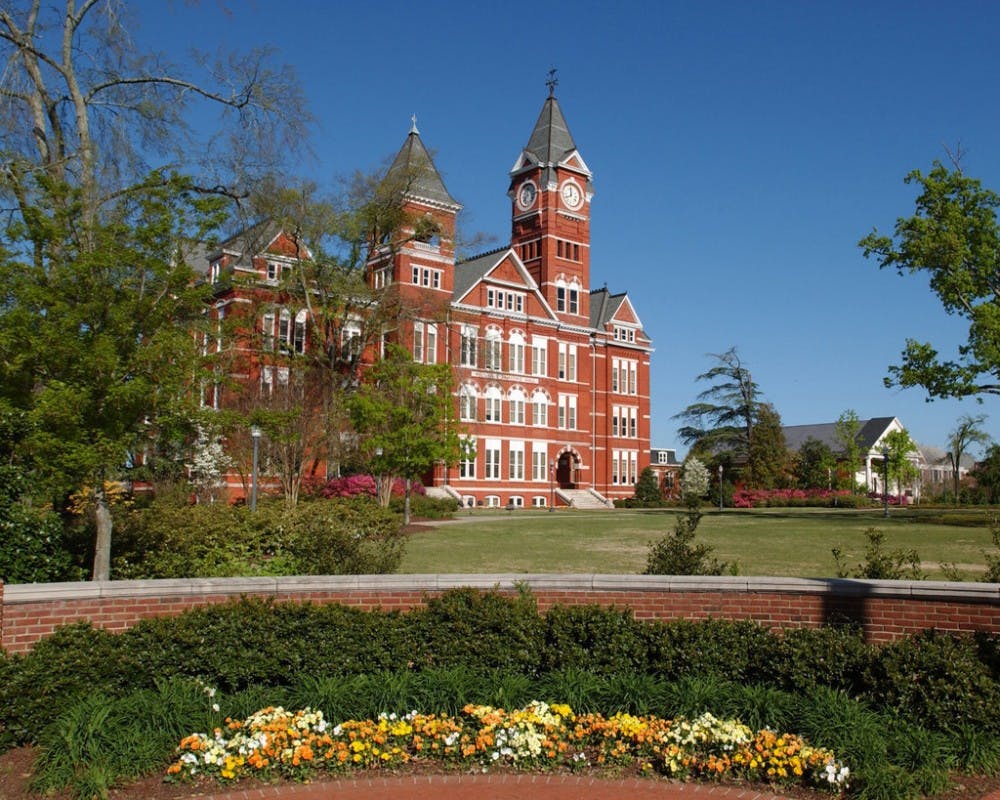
{"x": 887, "y": 610}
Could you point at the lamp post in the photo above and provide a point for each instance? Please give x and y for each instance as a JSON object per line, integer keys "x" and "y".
{"x": 885, "y": 481}
{"x": 552, "y": 485}
{"x": 720, "y": 487}
{"x": 255, "y": 434}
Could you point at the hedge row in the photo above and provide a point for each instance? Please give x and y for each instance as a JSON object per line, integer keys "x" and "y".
{"x": 321, "y": 537}
{"x": 941, "y": 681}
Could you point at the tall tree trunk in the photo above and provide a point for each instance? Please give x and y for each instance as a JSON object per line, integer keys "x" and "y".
{"x": 102, "y": 539}
{"x": 406, "y": 502}
{"x": 383, "y": 489}
{"x": 955, "y": 457}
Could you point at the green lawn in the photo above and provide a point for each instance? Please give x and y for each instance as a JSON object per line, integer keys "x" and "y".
{"x": 792, "y": 542}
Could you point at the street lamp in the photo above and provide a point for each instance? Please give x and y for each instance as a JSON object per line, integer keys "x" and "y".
{"x": 720, "y": 487}
{"x": 255, "y": 434}
{"x": 552, "y": 485}
{"x": 885, "y": 481}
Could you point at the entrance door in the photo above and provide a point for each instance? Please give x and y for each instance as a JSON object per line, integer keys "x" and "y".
{"x": 566, "y": 471}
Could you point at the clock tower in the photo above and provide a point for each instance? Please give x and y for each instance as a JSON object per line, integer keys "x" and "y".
{"x": 550, "y": 191}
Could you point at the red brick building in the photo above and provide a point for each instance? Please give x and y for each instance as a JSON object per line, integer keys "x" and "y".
{"x": 552, "y": 376}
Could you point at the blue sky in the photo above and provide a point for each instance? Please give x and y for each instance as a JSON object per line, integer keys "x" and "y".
{"x": 739, "y": 149}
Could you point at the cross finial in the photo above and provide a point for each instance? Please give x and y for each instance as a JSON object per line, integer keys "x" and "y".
{"x": 552, "y": 82}
{"x": 413, "y": 124}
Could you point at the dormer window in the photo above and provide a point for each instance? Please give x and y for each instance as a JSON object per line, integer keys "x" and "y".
{"x": 273, "y": 271}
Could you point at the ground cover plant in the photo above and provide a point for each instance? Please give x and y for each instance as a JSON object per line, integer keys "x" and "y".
{"x": 793, "y": 542}
{"x": 104, "y": 707}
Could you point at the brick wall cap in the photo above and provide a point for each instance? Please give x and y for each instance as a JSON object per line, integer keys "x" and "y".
{"x": 508, "y": 582}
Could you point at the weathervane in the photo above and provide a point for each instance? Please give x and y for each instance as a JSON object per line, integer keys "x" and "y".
{"x": 552, "y": 82}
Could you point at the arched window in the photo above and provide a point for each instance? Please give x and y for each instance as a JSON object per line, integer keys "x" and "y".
{"x": 493, "y": 349}
{"x": 539, "y": 408}
{"x": 573, "y": 302}
{"x": 299, "y": 332}
{"x": 467, "y": 403}
{"x": 494, "y": 400}
{"x": 517, "y": 401}
{"x": 515, "y": 361}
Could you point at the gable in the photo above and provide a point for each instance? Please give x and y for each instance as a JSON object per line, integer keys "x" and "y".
{"x": 625, "y": 314}
{"x": 574, "y": 161}
{"x": 502, "y": 270}
{"x": 509, "y": 271}
{"x": 283, "y": 245}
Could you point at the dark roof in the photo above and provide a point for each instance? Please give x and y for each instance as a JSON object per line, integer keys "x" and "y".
{"x": 551, "y": 140}
{"x": 248, "y": 242}
{"x": 868, "y": 434}
{"x": 550, "y": 144}
{"x": 603, "y": 306}
{"x": 671, "y": 456}
{"x": 415, "y": 167}
{"x": 472, "y": 270}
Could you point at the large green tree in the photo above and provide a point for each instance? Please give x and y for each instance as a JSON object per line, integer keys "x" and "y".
{"x": 954, "y": 239}
{"x": 725, "y": 422}
{"x": 815, "y": 464}
{"x": 968, "y": 432}
{"x": 847, "y": 431}
{"x": 96, "y": 308}
{"x": 404, "y": 415}
{"x": 767, "y": 457}
{"x": 987, "y": 473}
{"x": 898, "y": 449}
{"x": 721, "y": 422}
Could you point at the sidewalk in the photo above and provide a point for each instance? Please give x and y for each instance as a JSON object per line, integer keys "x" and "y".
{"x": 497, "y": 787}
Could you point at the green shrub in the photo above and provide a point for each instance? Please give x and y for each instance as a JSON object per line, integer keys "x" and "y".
{"x": 320, "y": 537}
{"x": 833, "y": 656}
{"x": 256, "y": 642}
{"x": 881, "y": 564}
{"x": 341, "y": 537}
{"x": 737, "y": 651}
{"x": 424, "y": 507}
{"x": 482, "y": 630}
{"x": 32, "y": 541}
{"x": 73, "y": 662}
{"x": 849, "y": 501}
{"x": 598, "y": 639}
{"x": 935, "y": 679}
{"x": 677, "y": 554}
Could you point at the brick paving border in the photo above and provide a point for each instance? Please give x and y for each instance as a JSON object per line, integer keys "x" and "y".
{"x": 497, "y": 787}
{"x": 506, "y": 786}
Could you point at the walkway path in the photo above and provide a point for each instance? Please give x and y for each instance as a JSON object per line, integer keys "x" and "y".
{"x": 497, "y": 787}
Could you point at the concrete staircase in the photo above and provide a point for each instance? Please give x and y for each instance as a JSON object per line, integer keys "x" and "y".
{"x": 445, "y": 492}
{"x": 587, "y": 499}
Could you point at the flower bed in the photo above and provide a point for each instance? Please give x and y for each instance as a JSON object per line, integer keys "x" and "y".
{"x": 274, "y": 742}
{"x": 780, "y": 498}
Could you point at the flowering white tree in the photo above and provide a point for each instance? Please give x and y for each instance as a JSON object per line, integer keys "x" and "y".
{"x": 694, "y": 479}
{"x": 208, "y": 464}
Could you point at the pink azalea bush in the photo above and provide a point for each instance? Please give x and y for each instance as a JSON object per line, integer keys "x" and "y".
{"x": 364, "y": 485}
{"x": 776, "y": 498}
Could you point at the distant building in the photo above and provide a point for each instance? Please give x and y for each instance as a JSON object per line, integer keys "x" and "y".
{"x": 667, "y": 468}
{"x": 871, "y": 437}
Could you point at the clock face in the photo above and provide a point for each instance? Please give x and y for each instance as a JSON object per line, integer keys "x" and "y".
{"x": 571, "y": 195}
{"x": 526, "y": 195}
